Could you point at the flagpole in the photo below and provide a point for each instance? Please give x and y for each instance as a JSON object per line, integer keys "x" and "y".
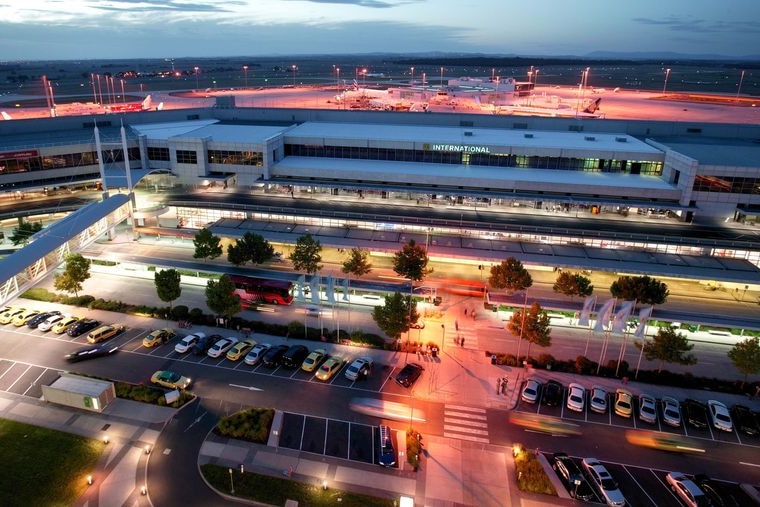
{"x": 522, "y": 327}
{"x": 588, "y": 338}
{"x": 641, "y": 353}
{"x": 625, "y": 340}
{"x": 605, "y": 343}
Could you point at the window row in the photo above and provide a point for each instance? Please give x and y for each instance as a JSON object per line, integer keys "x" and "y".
{"x": 726, "y": 184}
{"x": 79, "y": 159}
{"x": 187, "y": 157}
{"x": 649, "y": 168}
{"x": 235, "y": 157}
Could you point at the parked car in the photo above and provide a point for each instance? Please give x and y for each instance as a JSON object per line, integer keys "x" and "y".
{"x": 103, "y": 333}
{"x": 22, "y": 318}
{"x": 204, "y": 343}
{"x": 158, "y": 337}
{"x": 294, "y": 356}
{"x": 83, "y": 326}
{"x": 64, "y": 324}
{"x": 603, "y": 482}
{"x": 360, "y": 368}
{"x": 274, "y": 355}
{"x": 716, "y": 491}
{"x": 314, "y": 360}
{"x": 187, "y": 343}
{"x": 687, "y": 490}
{"x": 576, "y": 397}
{"x": 409, "y": 374}
{"x": 257, "y": 352}
{"x": 671, "y": 412}
{"x": 567, "y": 469}
{"x": 10, "y": 313}
{"x": 695, "y": 413}
{"x": 531, "y": 391}
{"x": 47, "y": 324}
{"x": 719, "y": 415}
{"x": 38, "y": 319}
{"x": 329, "y": 368}
{"x": 240, "y": 349}
{"x": 623, "y": 402}
{"x": 647, "y": 408}
{"x": 744, "y": 420}
{"x": 386, "y": 455}
{"x": 221, "y": 347}
{"x": 170, "y": 379}
{"x": 598, "y": 400}
{"x": 91, "y": 352}
{"x": 552, "y": 395}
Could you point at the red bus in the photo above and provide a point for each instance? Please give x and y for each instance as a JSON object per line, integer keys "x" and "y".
{"x": 260, "y": 290}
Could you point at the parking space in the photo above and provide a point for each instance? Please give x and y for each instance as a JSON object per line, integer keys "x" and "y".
{"x": 25, "y": 379}
{"x": 330, "y": 437}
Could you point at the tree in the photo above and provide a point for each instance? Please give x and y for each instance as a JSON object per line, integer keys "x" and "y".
{"x": 668, "y": 346}
{"x": 250, "y": 248}
{"x": 644, "y": 289}
{"x": 746, "y": 356}
{"x": 411, "y": 262}
{"x": 396, "y": 315}
{"x": 221, "y": 297}
{"x": 535, "y": 328}
{"x": 510, "y": 275}
{"x": 24, "y": 231}
{"x": 168, "y": 285}
{"x": 573, "y": 284}
{"x": 75, "y": 272}
{"x": 357, "y": 264}
{"x": 206, "y": 245}
{"x": 306, "y": 254}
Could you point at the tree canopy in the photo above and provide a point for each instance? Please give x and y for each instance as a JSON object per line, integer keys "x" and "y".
{"x": 411, "y": 262}
{"x": 24, "y": 231}
{"x": 75, "y": 272}
{"x": 250, "y": 248}
{"x": 221, "y": 297}
{"x": 510, "y": 275}
{"x": 746, "y": 356}
{"x": 206, "y": 245}
{"x": 537, "y": 329}
{"x": 357, "y": 263}
{"x": 644, "y": 289}
{"x": 306, "y": 255}
{"x": 573, "y": 284}
{"x": 668, "y": 346}
{"x": 395, "y": 316}
{"x": 167, "y": 283}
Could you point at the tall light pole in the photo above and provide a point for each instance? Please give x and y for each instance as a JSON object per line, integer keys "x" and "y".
{"x": 530, "y": 76}
{"x": 245, "y": 74}
{"x": 364, "y": 77}
{"x": 411, "y": 83}
{"x": 739, "y": 90}
{"x": 294, "y": 74}
{"x": 196, "y": 76}
{"x": 337, "y": 78}
{"x": 535, "y": 79}
{"x": 667, "y": 75}
{"x": 441, "y": 77}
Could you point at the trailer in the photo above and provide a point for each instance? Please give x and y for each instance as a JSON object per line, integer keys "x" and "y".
{"x": 76, "y": 391}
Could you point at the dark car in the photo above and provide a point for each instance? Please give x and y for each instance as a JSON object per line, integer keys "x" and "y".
{"x": 294, "y": 356}
{"x": 576, "y": 484}
{"x": 204, "y": 343}
{"x": 386, "y": 455}
{"x": 83, "y": 326}
{"x": 552, "y": 395}
{"x": 274, "y": 355}
{"x": 409, "y": 374}
{"x": 716, "y": 491}
{"x": 695, "y": 413}
{"x": 744, "y": 420}
{"x": 91, "y": 352}
{"x": 40, "y": 318}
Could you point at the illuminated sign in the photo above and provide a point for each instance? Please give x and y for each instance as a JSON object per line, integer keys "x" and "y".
{"x": 465, "y": 148}
{"x": 18, "y": 154}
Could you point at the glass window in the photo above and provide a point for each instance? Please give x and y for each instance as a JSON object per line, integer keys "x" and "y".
{"x": 187, "y": 157}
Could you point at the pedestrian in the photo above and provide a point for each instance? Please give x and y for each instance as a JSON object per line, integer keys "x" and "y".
{"x": 456, "y": 325}
{"x": 461, "y": 342}
{"x": 465, "y": 312}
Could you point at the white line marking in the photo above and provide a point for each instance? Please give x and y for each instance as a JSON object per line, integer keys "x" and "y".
{"x": 469, "y": 424}
{"x": 467, "y": 409}
{"x": 463, "y": 428}
{"x": 467, "y": 437}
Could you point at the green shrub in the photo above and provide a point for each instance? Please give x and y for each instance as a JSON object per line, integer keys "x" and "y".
{"x": 531, "y": 476}
{"x": 413, "y": 447}
{"x": 180, "y": 312}
{"x": 40, "y": 294}
{"x": 252, "y": 425}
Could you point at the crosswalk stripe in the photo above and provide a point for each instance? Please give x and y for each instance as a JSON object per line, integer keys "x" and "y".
{"x": 466, "y": 409}
{"x": 466, "y": 422}
{"x": 465, "y": 415}
{"x": 465, "y": 429}
{"x": 469, "y": 438}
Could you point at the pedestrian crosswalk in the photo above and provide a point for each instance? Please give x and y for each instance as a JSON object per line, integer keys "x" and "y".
{"x": 463, "y": 339}
{"x": 465, "y": 423}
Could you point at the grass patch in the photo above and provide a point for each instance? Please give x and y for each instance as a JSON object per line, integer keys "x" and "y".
{"x": 530, "y": 474}
{"x": 276, "y": 490}
{"x": 252, "y": 425}
{"x": 44, "y": 466}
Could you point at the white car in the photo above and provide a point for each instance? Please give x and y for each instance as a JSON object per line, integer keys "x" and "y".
{"x": 603, "y": 482}
{"x": 221, "y": 347}
{"x": 598, "y": 400}
{"x": 531, "y": 391}
{"x": 257, "y": 352}
{"x": 671, "y": 412}
{"x": 647, "y": 408}
{"x": 719, "y": 416}
{"x": 187, "y": 343}
{"x": 576, "y": 397}
{"x": 49, "y": 322}
{"x": 359, "y": 368}
{"x": 687, "y": 489}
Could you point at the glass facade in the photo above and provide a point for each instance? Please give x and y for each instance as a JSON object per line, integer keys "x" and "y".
{"x": 254, "y": 158}
{"x": 726, "y": 184}
{"x": 159, "y": 154}
{"x": 187, "y": 157}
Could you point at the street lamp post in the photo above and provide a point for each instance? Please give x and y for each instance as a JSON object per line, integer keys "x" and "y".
{"x": 232, "y": 484}
{"x": 294, "y": 74}
{"x": 441, "y": 77}
{"x": 196, "y": 76}
{"x": 443, "y": 334}
{"x": 411, "y": 83}
{"x": 739, "y": 90}
{"x": 364, "y": 78}
{"x": 667, "y": 75}
{"x": 245, "y": 74}
{"x": 535, "y": 79}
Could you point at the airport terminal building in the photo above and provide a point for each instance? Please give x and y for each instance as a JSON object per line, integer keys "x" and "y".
{"x": 691, "y": 172}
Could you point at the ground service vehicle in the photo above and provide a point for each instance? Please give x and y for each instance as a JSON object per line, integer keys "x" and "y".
{"x": 253, "y": 291}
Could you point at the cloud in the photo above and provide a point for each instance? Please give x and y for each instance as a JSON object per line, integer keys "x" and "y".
{"x": 695, "y": 25}
{"x": 163, "y": 6}
{"x": 374, "y": 4}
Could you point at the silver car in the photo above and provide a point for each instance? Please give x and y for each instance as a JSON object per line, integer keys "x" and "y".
{"x": 671, "y": 412}
{"x": 603, "y": 482}
{"x": 576, "y": 397}
{"x": 257, "y": 352}
{"x": 598, "y": 400}
{"x": 721, "y": 419}
{"x": 647, "y": 408}
{"x": 531, "y": 391}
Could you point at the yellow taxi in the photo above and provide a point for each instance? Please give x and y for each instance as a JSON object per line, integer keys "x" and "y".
{"x": 240, "y": 349}
{"x": 64, "y": 324}
{"x": 8, "y": 315}
{"x": 24, "y": 317}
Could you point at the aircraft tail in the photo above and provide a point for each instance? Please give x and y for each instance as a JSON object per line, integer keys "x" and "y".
{"x": 593, "y": 106}
{"x": 146, "y": 103}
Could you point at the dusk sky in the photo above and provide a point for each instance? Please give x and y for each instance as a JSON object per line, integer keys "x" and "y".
{"x": 71, "y": 29}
